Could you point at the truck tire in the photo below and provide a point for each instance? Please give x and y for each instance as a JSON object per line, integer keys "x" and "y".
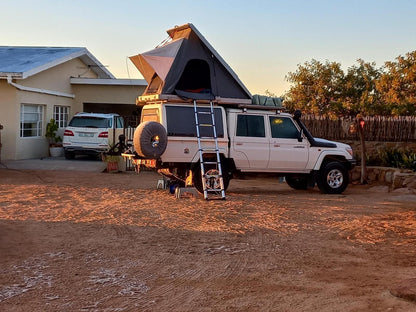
{"x": 197, "y": 179}
{"x": 332, "y": 178}
{"x": 297, "y": 182}
{"x": 150, "y": 139}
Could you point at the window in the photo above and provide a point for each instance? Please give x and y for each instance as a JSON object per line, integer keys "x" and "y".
{"x": 91, "y": 122}
{"x": 61, "y": 114}
{"x": 119, "y": 122}
{"x": 283, "y": 128}
{"x": 31, "y": 120}
{"x": 250, "y": 126}
{"x": 181, "y": 122}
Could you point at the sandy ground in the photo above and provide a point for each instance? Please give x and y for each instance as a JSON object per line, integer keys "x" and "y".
{"x": 87, "y": 241}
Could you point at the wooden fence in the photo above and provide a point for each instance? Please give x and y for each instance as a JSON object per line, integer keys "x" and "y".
{"x": 377, "y": 128}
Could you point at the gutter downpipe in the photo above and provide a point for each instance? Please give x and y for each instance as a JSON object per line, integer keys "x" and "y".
{"x": 37, "y": 90}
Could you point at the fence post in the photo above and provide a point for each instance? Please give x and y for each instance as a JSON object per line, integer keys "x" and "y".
{"x": 361, "y": 125}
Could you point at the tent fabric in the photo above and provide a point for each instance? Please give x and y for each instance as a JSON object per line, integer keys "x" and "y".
{"x": 188, "y": 65}
{"x": 267, "y": 101}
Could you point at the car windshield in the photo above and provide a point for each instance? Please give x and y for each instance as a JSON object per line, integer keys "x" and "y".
{"x": 90, "y": 122}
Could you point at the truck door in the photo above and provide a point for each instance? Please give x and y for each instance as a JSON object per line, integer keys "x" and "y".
{"x": 250, "y": 147}
{"x": 286, "y": 152}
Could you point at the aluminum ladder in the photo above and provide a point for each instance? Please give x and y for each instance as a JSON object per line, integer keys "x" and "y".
{"x": 212, "y": 179}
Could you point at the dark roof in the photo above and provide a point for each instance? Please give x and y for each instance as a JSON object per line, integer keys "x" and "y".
{"x": 23, "y": 62}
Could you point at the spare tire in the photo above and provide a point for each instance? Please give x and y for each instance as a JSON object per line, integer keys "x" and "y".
{"x": 150, "y": 139}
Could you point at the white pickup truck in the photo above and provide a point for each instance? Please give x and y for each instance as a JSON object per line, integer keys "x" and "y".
{"x": 250, "y": 142}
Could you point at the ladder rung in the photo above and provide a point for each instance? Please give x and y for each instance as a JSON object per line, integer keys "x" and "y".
{"x": 204, "y": 113}
{"x": 214, "y": 190}
{"x": 205, "y": 137}
{"x": 209, "y": 162}
{"x": 209, "y": 150}
{"x": 206, "y": 125}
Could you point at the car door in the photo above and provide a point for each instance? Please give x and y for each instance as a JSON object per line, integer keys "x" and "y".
{"x": 250, "y": 149}
{"x": 287, "y": 152}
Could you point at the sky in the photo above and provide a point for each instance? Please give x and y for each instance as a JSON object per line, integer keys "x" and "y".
{"x": 262, "y": 40}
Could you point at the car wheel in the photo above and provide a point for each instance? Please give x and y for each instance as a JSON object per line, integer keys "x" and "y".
{"x": 297, "y": 182}
{"x": 150, "y": 139}
{"x": 211, "y": 178}
{"x": 69, "y": 155}
{"x": 332, "y": 178}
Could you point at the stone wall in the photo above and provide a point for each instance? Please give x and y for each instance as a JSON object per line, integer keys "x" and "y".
{"x": 398, "y": 180}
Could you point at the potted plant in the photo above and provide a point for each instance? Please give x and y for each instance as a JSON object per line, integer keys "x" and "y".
{"x": 54, "y": 140}
{"x": 112, "y": 162}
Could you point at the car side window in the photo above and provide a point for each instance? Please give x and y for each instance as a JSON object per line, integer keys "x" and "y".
{"x": 283, "y": 128}
{"x": 119, "y": 122}
{"x": 250, "y": 126}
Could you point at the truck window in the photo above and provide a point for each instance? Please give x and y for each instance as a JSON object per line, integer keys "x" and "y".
{"x": 250, "y": 126}
{"x": 181, "y": 122}
{"x": 283, "y": 128}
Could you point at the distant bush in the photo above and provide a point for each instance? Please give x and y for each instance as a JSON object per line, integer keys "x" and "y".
{"x": 397, "y": 158}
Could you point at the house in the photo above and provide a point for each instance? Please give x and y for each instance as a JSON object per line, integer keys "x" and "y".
{"x": 40, "y": 83}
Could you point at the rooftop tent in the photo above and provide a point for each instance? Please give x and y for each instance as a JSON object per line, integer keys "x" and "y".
{"x": 188, "y": 66}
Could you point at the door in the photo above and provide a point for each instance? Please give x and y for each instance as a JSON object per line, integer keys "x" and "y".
{"x": 250, "y": 149}
{"x": 286, "y": 152}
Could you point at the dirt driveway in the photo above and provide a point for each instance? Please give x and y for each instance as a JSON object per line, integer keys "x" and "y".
{"x": 85, "y": 241}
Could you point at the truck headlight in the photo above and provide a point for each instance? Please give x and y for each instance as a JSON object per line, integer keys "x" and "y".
{"x": 349, "y": 150}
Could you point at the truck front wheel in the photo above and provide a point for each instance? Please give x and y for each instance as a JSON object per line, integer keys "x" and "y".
{"x": 332, "y": 178}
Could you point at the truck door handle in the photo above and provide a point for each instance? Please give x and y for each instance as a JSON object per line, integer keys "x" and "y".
{"x": 238, "y": 143}
{"x": 276, "y": 145}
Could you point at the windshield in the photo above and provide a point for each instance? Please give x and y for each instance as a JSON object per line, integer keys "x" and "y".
{"x": 90, "y": 122}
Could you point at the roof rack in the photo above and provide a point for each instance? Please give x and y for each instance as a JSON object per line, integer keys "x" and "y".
{"x": 230, "y": 102}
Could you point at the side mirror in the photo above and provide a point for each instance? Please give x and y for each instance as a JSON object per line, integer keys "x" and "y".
{"x": 300, "y": 135}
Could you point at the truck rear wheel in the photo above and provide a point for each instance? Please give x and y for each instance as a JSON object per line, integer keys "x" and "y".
{"x": 332, "y": 178}
{"x": 297, "y": 182}
{"x": 150, "y": 139}
{"x": 211, "y": 182}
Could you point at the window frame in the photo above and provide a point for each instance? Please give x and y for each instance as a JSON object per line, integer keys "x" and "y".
{"x": 249, "y": 131}
{"x": 277, "y": 135}
{"x": 40, "y": 112}
{"x": 180, "y": 121}
{"x": 62, "y": 122}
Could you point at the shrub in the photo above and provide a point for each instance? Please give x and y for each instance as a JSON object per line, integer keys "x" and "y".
{"x": 397, "y": 158}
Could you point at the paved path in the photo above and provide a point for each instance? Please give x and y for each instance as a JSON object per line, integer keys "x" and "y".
{"x": 56, "y": 163}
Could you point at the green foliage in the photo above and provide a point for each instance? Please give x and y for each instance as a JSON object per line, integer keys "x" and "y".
{"x": 316, "y": 88}
{"x": 409, "y": 161}
{"x": 398, "y": 158}
{"x": 50, "y": 134}
{"x": 325, "y": 89}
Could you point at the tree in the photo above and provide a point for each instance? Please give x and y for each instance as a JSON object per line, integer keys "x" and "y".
{"x": 360, "y": 95}
{"x": 316, "y": 89}
{"x": 397, "y": 85}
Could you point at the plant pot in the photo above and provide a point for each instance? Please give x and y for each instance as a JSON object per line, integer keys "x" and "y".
{"x": 56, "y": 151}
{"x": 112, "y": 166}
